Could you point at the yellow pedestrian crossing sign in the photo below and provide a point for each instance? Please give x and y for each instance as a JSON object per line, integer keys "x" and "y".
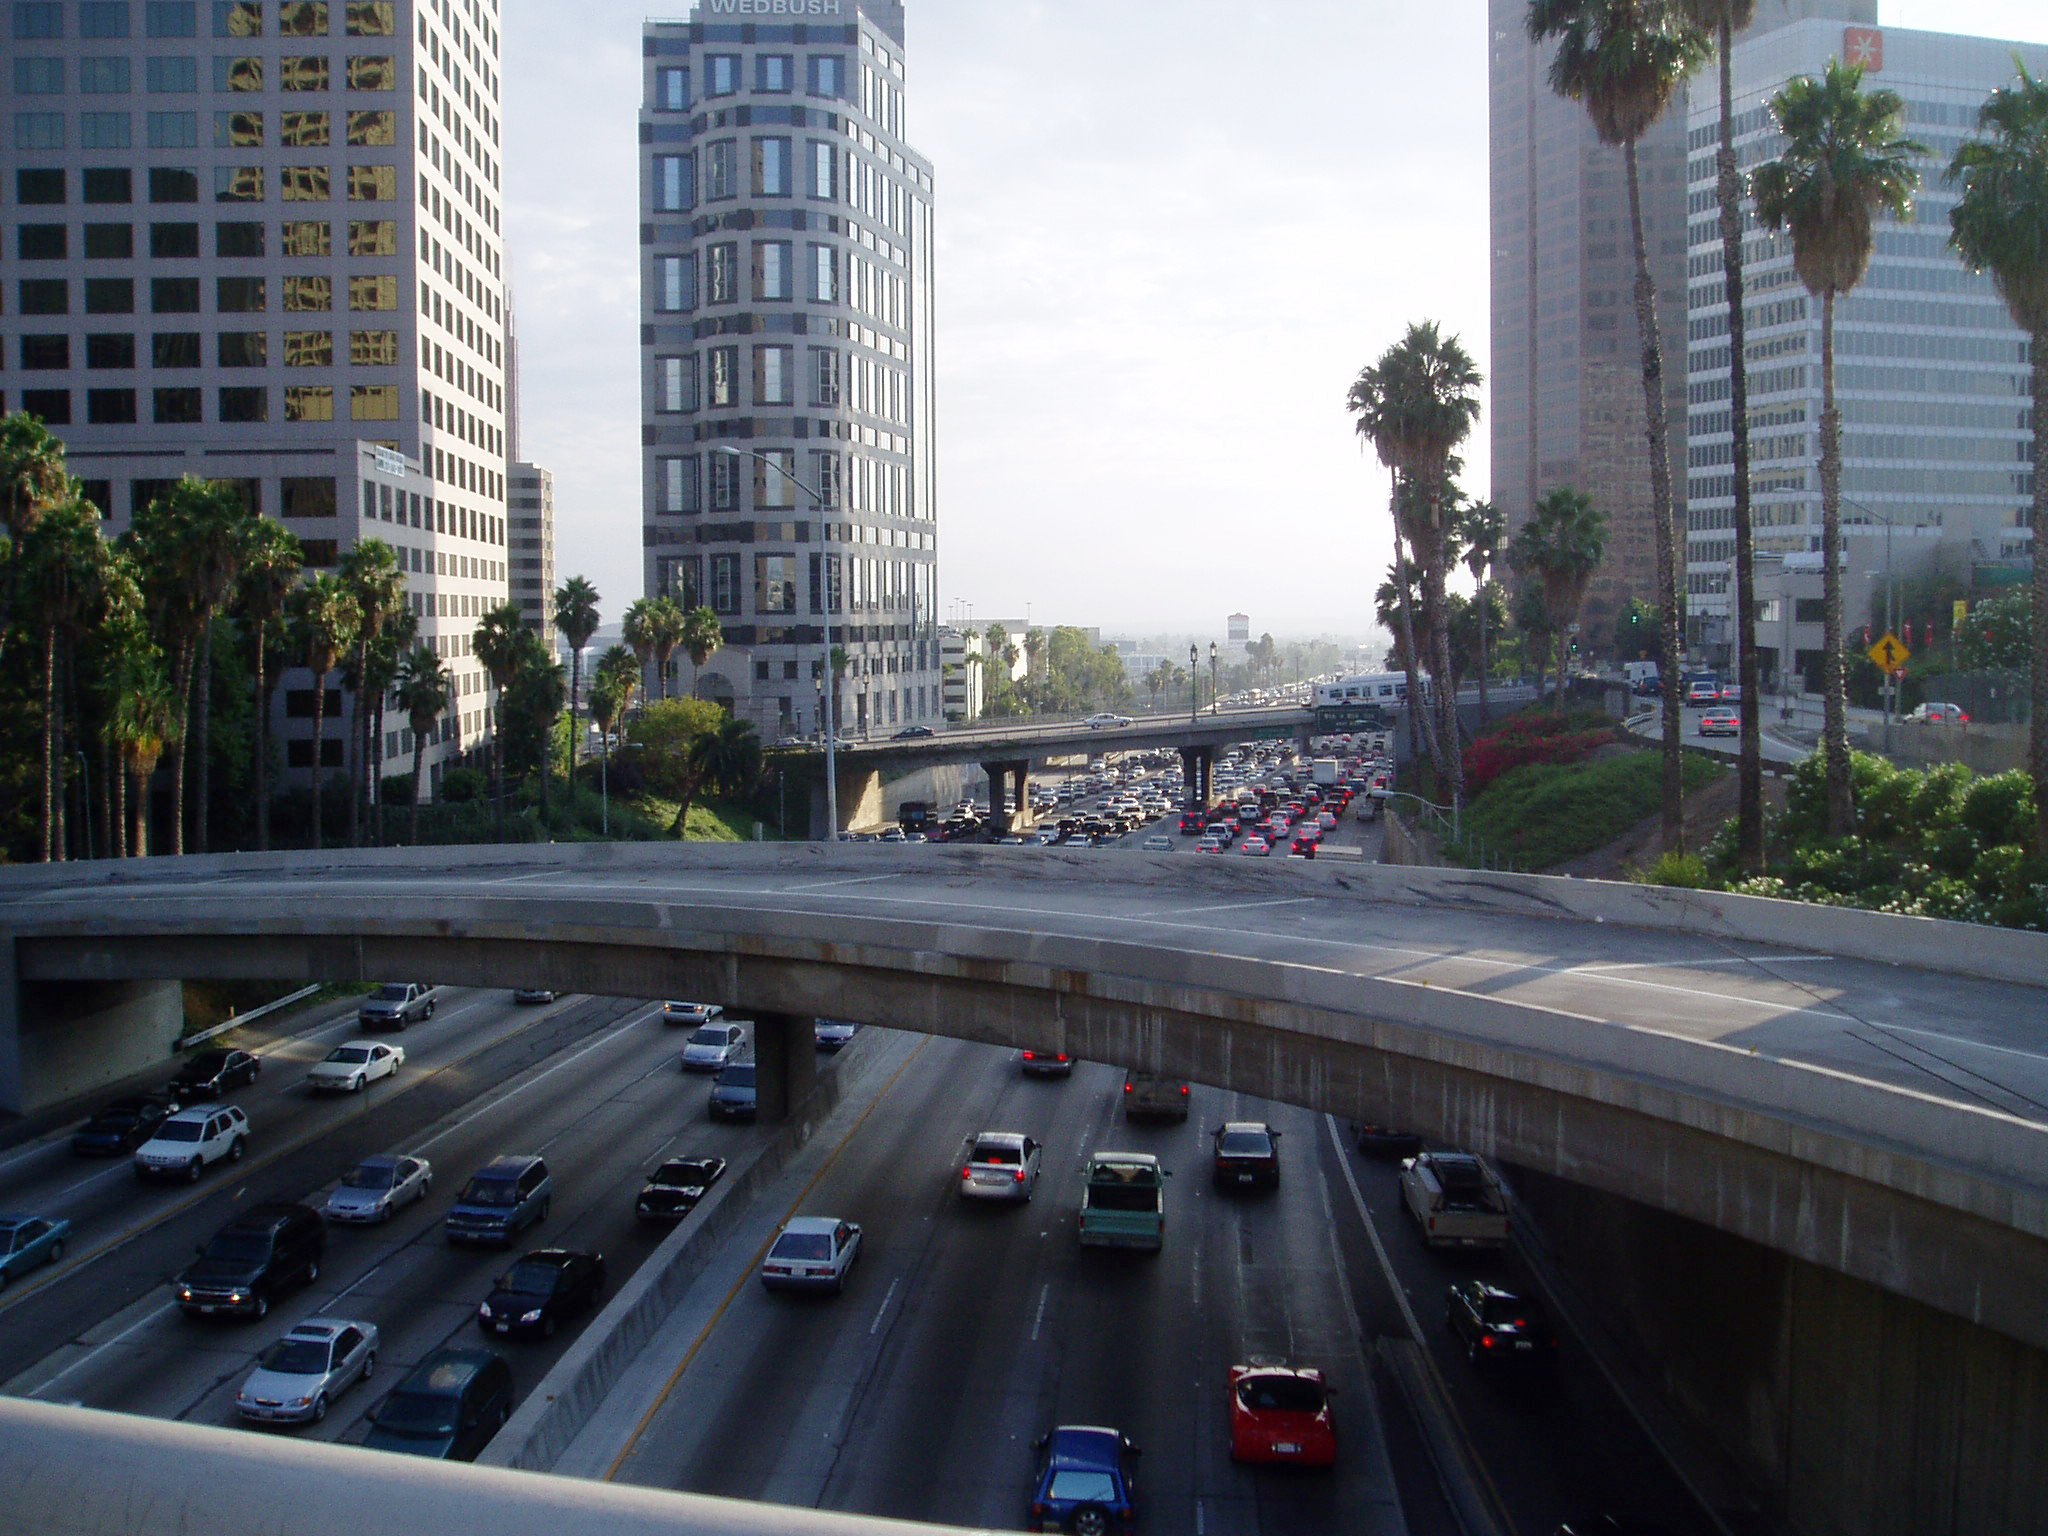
{"x": 1890, "y": 653}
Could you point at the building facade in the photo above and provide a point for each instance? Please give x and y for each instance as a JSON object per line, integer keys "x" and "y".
{"x": 259, "y": 241}
{"x": 1932, "y": 375}
{"x": 530, "y": 510}
{"x": 787, "y": 356}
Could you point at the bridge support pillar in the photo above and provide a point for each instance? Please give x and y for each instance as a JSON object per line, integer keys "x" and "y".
{"x": 1013, "y": 778}
{"x": 1197, "y": 765}
{"x": 60, "y": 1039}
{"x": 860, "y": 802}
{"x": 785, "y": 1065}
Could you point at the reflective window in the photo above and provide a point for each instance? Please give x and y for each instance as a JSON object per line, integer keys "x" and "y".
{"x": 304, "y": 237}
{"x": 241, "y": 349}
{"x": 825, "y": 386}
{"x": 772, "y": 260}
{"x": 308, "y": 349}
{"x": 372, "y": 237}
{"x": 372, "y": 292}
{"x": 828, "y": 74}
{"x": 772, "y": 381}
{"x": 309, "y": 292}
{"x": 171, "y": 18}
{"x": 238, "y": 295}
{"x": 824, "y": 170}
{"x": 302, "y": 18}
{"x": 374, "y": 128}
{"x": 38, "y": 77}
{"x": 238, "y": 130}
{"x": 372, "y": 183}
{"x": 302, "y": 72}
{"x": 39, "y": 130}
{"x": 304, "y": 130}
{"x": 723, "y": 282}
{"x": 725, "y": 575}
{"x": 725, "y": 483}
{"x": 237, "y": 18}
{"x": 372, "y": 349}
{"x": 721, "y": 176}
{"x": 38, "y": 18}
{"x": 721, "y": 387}
{"x": 675, "y": 283}
{"x": 373, "y": 402}
{"x": 773, "y": 72}
{"x": 173, "y": 75}
{"x": 103, "y": 76}
{"x": 372, "y": 72}
{"x": 309, "y": 402}
{"x": 237, "y": 74}
{"x": 103, "y": 18}
{"x": 238, "y": 183}
{"x": 775, "y": 584}
{"x": 173, "y": 130}
{"x": 674, "y": 182}
{"x": 773, "y": 486}
{"x": 676, "y": 484}
{"x": 722, "y": 74}
{"x": 372, "y": 18}
{"x": 675, "y": 383}
{"x": 771, "y": 167}
{"x": 671, "y": 89}
{"x": 824, "y": 274}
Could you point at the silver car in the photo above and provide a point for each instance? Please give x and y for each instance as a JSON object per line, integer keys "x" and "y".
{"x": 999, "y": 1165}
{"x": 302, "y": 1373}
{"x": 715, "y": 1046}
{"x": 378, "y": 1186}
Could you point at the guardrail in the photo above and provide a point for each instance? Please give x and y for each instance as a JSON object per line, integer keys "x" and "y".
{"x": 236, "y": 1021}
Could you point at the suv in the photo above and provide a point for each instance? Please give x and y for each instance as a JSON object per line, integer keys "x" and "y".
{"x": 448, "y": 1408}
{"x": 258, "y": 1254}
{"x": 183, "y": 1144}
{"x": 397, "y": 1004}
{"x": 502, "y": 1199}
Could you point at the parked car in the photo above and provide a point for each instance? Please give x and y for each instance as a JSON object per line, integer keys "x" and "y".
{"x": 352, "y": 1067}
{"x": 675, "y": 1012}
{"x": 28, "y": 1243}
{"x": 673, "y": 1190}
{"x": 1940, "y": 714}
{"x": 299, "y": 1376}
{"x": 999, "y": 1165}
{"x": 734, "y": 1092}
{"x": 1455, "y": 1199}
{"x": 185, "y": 1144}
{"x": 206, "y": 1075}
{"x": 832, "y": 1035}
{"x": 1084, "y": 1482}
{"x": 1147, "y": 1095}
{"x": 812, "y": 1253}
{"x": 1720, "y": 722}
{"x": 378, "y": 1186}
{"x": 396, "y": 1004}
{"x": 502, "y": 1199}
{"x": 261, "y": 1253}
{"x": 714, "y": 1046}
{"x": 1046, "y": 1063}
{"x": 541, "y": 1292}
{"x": 532, "y": 995}
{"x": 1281, "y": 1413}
{"x": 121, "y": 1125}
{"x": 1106, "y": 719}
{"x": 1247, "y": 1154}
{"x": 448, "y": 1407}
{"x": 1497, "y": 1324}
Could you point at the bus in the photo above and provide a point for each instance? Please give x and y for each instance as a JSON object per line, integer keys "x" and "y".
{"x": 1389, "y": 690}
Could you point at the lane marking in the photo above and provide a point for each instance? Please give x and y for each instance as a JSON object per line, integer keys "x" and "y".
{"x": 883, "y": 1310}
{"x": 608, "y": 1037}
{"x": 1645, "y": 965}
{"x": 359, "y": 1279}
{"x": 100, "y": 1349}
{"x": 1038, "y": 1321}
{"x": 1372, "y": 1232}
{"x": 822, "y": 885}
{"x": 1243, "y": 906}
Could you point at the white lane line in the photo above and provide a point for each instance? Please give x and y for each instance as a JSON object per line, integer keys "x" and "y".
{"x": 1680, "y": 965}
{"x": 822, "y": 885}
{"x": 515, "y": 879}
{"x": 1038, "y": 1320}
{"x": 1960, "y": 1041}
{"x": 100, "y": 1349}
{"x": 610, "y": 1037}
{"x": 1372, "y": 1231}
{"x": 883, "y": 1310}
{"x": 1243, "y": 906}
{"x": 359, "y": 1279}
{"x": 1201, "y": 1526}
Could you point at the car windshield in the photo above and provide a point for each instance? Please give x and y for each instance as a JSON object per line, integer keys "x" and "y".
{"x": 681, "y": 1173}
{"x": 371, "y": 1176}
{"x": 709, "y": 1036}
{"x": 739, "y": 1075}
{"x": 239, "y": 1248}
{"x": 491, "y": 1192}
{"x": 295, "y": 1357}
{"x": 179, "y": 1130}
{"x": 998, "y": 1152}
{"x": 802, "y": 1245}
{"x": 530, "y": 1278}
{"x": 390, "y": 992}
{"x": 353, "y": 1054}
{"x": 1083, "y": 1487}
{"x": 416, "y": 1413}
{"x": 1280, "y": 1394}
{"x": 1244, "y": 1144}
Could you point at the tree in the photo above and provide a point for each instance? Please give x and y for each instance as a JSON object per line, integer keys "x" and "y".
{"x": 369, "y": 570}
{"x": 1483, "y": 529}
{"x": 664, "y": 735}
{"x": 423, "y": 695}
{"x": 1624, "y": 61}
{"x": 729, "y": 757}
{"x": 1536, "y": 628}
{"x": 1561, "y": 546}
{"x": 272, "y": 559}
{"x": 1999, "y": 633}
{"x": 143, "y": 719}
{"x": 33, "y": 479}
{"x": 1997, "y": 226}
{"x": 324, "y": 619}
{"x": 642, "y": 621}
{"x": 577, "y": 618}
{"x": 532, "y": 704}
{"x": 64, "y": 563}
{"x": 381, "y": 663}
{"x": 700, "y": 636}
{"x": 497, "y": 644}
{"x": 1842, "y": 163}
{"x": 618, "y": 674}
{"x": 669, "y": 624}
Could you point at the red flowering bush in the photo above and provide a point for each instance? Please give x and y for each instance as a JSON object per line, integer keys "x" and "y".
{"x": 1534, "y": 737}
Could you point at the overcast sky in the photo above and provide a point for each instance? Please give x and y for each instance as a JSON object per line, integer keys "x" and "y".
{"x": 1170, "y": 232}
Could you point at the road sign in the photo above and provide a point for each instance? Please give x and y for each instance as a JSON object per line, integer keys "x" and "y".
{"x": 1889, "y": 653}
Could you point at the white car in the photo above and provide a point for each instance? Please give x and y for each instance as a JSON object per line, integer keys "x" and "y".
{"x": 1159, "y": 842}
{"x": 999, "y": 1165}
{"x": 1097, "y": 722}
{"x": 715, "y": 1046}
{"x": 302, "y": 1373}
{"x": 378, "y": 1186}
{"x": 185, "y": 1144}
{"x": 673, "y": 1012}
{"x": 353, "y": 1066}
{"x": 813, "y": 1253}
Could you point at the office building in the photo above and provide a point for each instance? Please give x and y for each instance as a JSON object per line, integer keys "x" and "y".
{"x": 786, "y": 307}
{"x": 1932, "y": 375}
{"x": 258, "y": 241}
{"x": 530, "y": 510}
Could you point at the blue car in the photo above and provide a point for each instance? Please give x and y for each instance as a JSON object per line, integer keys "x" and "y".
{"x": 28, "y": 1242}
{"x": 1084, "y": 1482}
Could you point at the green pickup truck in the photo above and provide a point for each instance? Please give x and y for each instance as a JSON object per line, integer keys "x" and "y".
{"x": 1123, "y": 1201}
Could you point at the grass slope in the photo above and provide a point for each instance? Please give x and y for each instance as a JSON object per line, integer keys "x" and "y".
{"x": 1545, "y": 813}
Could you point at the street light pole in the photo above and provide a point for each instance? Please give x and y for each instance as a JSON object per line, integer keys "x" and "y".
{"x": 1215, "y": 694}
{"x": 831, "y": 681}
{"x": 1194, "y": 683}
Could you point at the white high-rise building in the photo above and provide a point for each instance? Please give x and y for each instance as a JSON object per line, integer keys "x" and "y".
{"x": 259, "y": 241}
{"x": 786, "y": 308}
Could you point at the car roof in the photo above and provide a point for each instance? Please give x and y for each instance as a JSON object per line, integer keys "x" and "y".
{"x": 812, "y": 1224}
{"x": 1248, "y": 1125}
{"x": 379, "y": 1160}
{"x": 1001, "y": 1138}
{"x": 16, "y": 1219}
{"x": 1085, "y": 1445}
{"x": 507, "y": 1165}
{"x": 323, "y": 1327}
{"x": 555, "y": 1256}
{"x": 197, "y": 1112}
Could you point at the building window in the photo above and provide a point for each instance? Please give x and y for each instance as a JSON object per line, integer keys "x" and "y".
{"x": 834, "y": 572}
{"x": 772, "y": 269}
{"x": 52, "y": 405}
{"x": 725, "y": 483}
{"x": 722, "y": 384}
{"x": 237, "y": 75}
{"x": 773, "y": 72}
{"x": 304, "y": 183}
{"x": 372, "y": 18}
{"x": 41, "y": 354}
{"x": 825, "y": 477}
{"x": 372, "y": 237}
{"x": 721, "y": 170}
{"x": 306, "y": 496}
{"x": 373, "y": 291}
{"x": 773, "y": 485}
{"x": 725, "y": 583}
{"x": 174, "y": 349}
{"x": 238, "y": 239}
{"x": 175, "y": 407}
{"x": 308, "y": 349}
{"x": 825, "y": 376}
{"x": 171, "y": 75}
{"x": 103, "y": 18}
{"x": 372, "y": 183}
{"x": 174, "y": 295}
{"x": 38, "y": 19}
{"x": 675, "y": 383}
{"x": 104, "y": 77}
{"x": 110, "y": 350}
{"x": 775, "y": 583}
{"x": 309, "y": 402}
{"x": 372, "y": 72}
{"x": 771, "y": 167}
{"x": 303, "y": 130}
{"x": 675, "y": 283}
{"x": 676, "y": 485}
{"x": 109, "y": 242}
{"x": 772, "y": 383}
{"x": 724, "y": 282}
{"x": 828, "y": 74}
{"x": 721, "y": 74}
{"x": 39, "y": 77}
{"x": 675, "y": 179}
{"x": 106, "y": 130}
{"x": 239, "y": 295}
{"x": 238, "y": 183}
{"x": 38, "y": 186}
{"x": 681, "y": 577}
{"x": 110, "y": 295}
{"x": 373, "y": 402}
{"x": 302, "y": 72}
{"x": 108, "y": 184}
{"x": 173, "y": 184}
{"x": 671, "y": 89}
{"x": 245, "y": 403}
{"x": 304, "y": 237}
{"x": 41, "y": 242}
{"x": 824, "y": 275}
{"x": 179, "y": 130}
{"x": 173, "y": 240}
{"x": 310, "y": 292}
{"x": 242, "y": 349}
{"x": 45, "y": 296}
{"x": 824, "y": 171}
{"x": 170, "y": 18}
{"x": 39, "y": 130}
{"x": 110, "y": 407}
{"x": 372, "y": 349}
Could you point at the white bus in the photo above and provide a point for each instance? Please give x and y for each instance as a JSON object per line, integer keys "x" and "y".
{"x": 1389, "y": 690}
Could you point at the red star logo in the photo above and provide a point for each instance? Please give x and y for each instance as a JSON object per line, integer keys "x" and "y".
{"x": 1863, "y": 46}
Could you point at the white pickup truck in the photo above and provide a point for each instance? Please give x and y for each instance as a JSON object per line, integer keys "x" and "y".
{"x": 1455, "y": 1199}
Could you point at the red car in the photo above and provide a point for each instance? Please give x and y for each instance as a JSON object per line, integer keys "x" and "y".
{"x": 1279, "y": 1413}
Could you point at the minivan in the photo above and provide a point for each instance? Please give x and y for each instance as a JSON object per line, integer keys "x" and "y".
{"x": 252, "y": 1259}
{"x": 502, "y": 1199}
{"x": 448, "y": 1408}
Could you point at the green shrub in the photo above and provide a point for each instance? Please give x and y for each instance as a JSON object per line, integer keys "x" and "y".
{"x": 1687, "y": 870}
{"x": 1543, "y": 813}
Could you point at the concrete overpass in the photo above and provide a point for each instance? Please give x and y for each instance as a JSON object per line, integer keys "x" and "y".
{"x": 1864, "y": 1110}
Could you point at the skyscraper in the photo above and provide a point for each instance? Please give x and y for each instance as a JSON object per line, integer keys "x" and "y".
{"x": 786, "y": 307}
{"x": 259, "y": 241}
{"x": 531, "y": 548}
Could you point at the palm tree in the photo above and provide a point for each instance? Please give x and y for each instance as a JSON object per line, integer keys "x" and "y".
{"x": 1537, "y": 629}
{"x": 33, "y": 479}
{"x": 381, "y": 663}
{"x": 700, "y": 637}
{"x": 576, "y": 617}
{"x": 670, "y": 624}
{"x": 1561, "y": 546}
{"x": 727, "y": 758}
{"x": 423, "y": 695}
{"x": 497, "y": 644}
{"x": 1482, "y": 528}
{"x": 642, "y": 620}
{"x": 534, "y": 701}
{"x": 144, "y": 717}
{"x": 1996, "y": 226}
{"x": 105, "y": 653}
{"x": 1625, "y": 60}
{"x": 1725, "y": 18}
{"x": 618, "y": 674}
{"x": 370, "y": 572}
{"x": 324, "y": 620}
{"x": 1842, "y": 163}
{"x": 272, "y": 559}
{"x": 65, "y": 564}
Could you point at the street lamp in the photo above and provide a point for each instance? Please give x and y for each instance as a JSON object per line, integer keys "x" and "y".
{"x": 1402, "y": 794}
{"x": 1194, "y": 683}
{"x": 1215, "y": 695}
{"x": 825, "y": 609}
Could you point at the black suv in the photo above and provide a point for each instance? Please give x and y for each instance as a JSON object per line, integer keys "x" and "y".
{"x": 208, "y": 1074}
{"x": 119, "y": 1126}
{"x": 542, "y": 1291}
{"x": 250, "y": 1260}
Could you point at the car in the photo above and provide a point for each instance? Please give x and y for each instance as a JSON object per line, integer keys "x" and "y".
{"x": 395, "y": 1004}
{"x": 260, "y": 1253}
{"x": 1720, "y": 722}
{"x": 354, "y": 1065}
{"x": 1045, "y": 1063}
{"x": 1497, "y": 1324}
{"x": 1384, "y": 1140}
{"x": 832, "y": 1035}
{"x": 1280, "y": 1413}
{"x": 734, "y": 1092}
{"x": 1939, "y": 714}
{"x": 1731, "y": 693}
{"x": 120, "y": 1125}
{"x": 1327, "y": 820}
{"x": 377, "y": 1186}
{"x": 1455, "y": 1199}
{"x": 1147, "y": 1095}
{"x": 1247, "y": 1153}
{"x": 1256, "y": 847}
{"x": 1084, "y": 1482}
{"x": 673, "y": 1012}
{"x": 541, "y": 1292}
{"x": 999, "y": 1165}
{"x": 1157, "y": 843}
{"x": 1700, "y": 694}
{"x": 298, "y": 1377}
{"x": 812, "y": 1253}
{"x": 532, "y": 995}
{"x": 185, "y": 1144}
{"x": 448, "y": 1407}
{"x": 673, "y": 1190}
{"x": 714, "y": 1046}
{"x": 1106, "y": 719}
{"x": 29, "y": 1242}
{"x": 502, "y": 1199}
{"x": 206, "y": 1075}
{"x": 912, "y": 733}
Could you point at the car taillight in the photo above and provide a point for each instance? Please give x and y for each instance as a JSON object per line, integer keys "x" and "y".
{"x": 1038, "y": 1511}
{"x": 966, "y": 1173}
{"x": 1018, "y": 1176}
{"x": 1183, "y": 1090}
{"x": 1127, "y": 1087}
{"x": 1486, "y": 1341}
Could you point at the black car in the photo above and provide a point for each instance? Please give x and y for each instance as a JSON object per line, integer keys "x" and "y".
{"x": 913, "y": 733}
{"x": 209, "y": 1074}
{"x": 250, "y": 1260}
{"x": 1384, "y": 1140}
{"x": 119, "y": 1127}
{"x": 541, "y": 1291}
{"x": 673, "y": 1190}
{"x": 448, "y": 1408}
{"x": 1247, "y": 1155}
{"x": 1497, "y": 1324}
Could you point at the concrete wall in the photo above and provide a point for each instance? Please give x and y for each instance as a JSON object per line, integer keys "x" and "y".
{"x": 62, "y": 1039}
{"x": 1984, "y": 748}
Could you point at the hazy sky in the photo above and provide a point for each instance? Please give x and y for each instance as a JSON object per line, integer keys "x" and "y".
{"x": 1169, "y": 235}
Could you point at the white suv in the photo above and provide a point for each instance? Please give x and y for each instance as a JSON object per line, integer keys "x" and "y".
{"x": 184, "y": 1143}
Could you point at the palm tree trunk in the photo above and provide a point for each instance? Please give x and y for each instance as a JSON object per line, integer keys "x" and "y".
{"x": 1435, "y": 602}
{"x": 419, "y": 788}
{"x": 1421, "y": 725}
{"x": 181, "y": 704}
{"x": 1563, "y": 640}
{"x": 575, "y": 687}
{"x": 202, "y": 789}
{"x": 48, "y": 814}
{"x": 2037, "y": 739}
{"x": 377, "y": 773}
{"x": 116, "y": 774}
{"x": 319, "y": 740}
{"x": 60, "y": 833}
{"x": 262, "y": 744}
{"x": 357, "y": 764}
{"x": 104, "y": 846}
{"x": 1835, "y": 699}
{"x": 1485, "y": 713}
{"x": 1660, "y": 499}
{"x": 138, "y": 814}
